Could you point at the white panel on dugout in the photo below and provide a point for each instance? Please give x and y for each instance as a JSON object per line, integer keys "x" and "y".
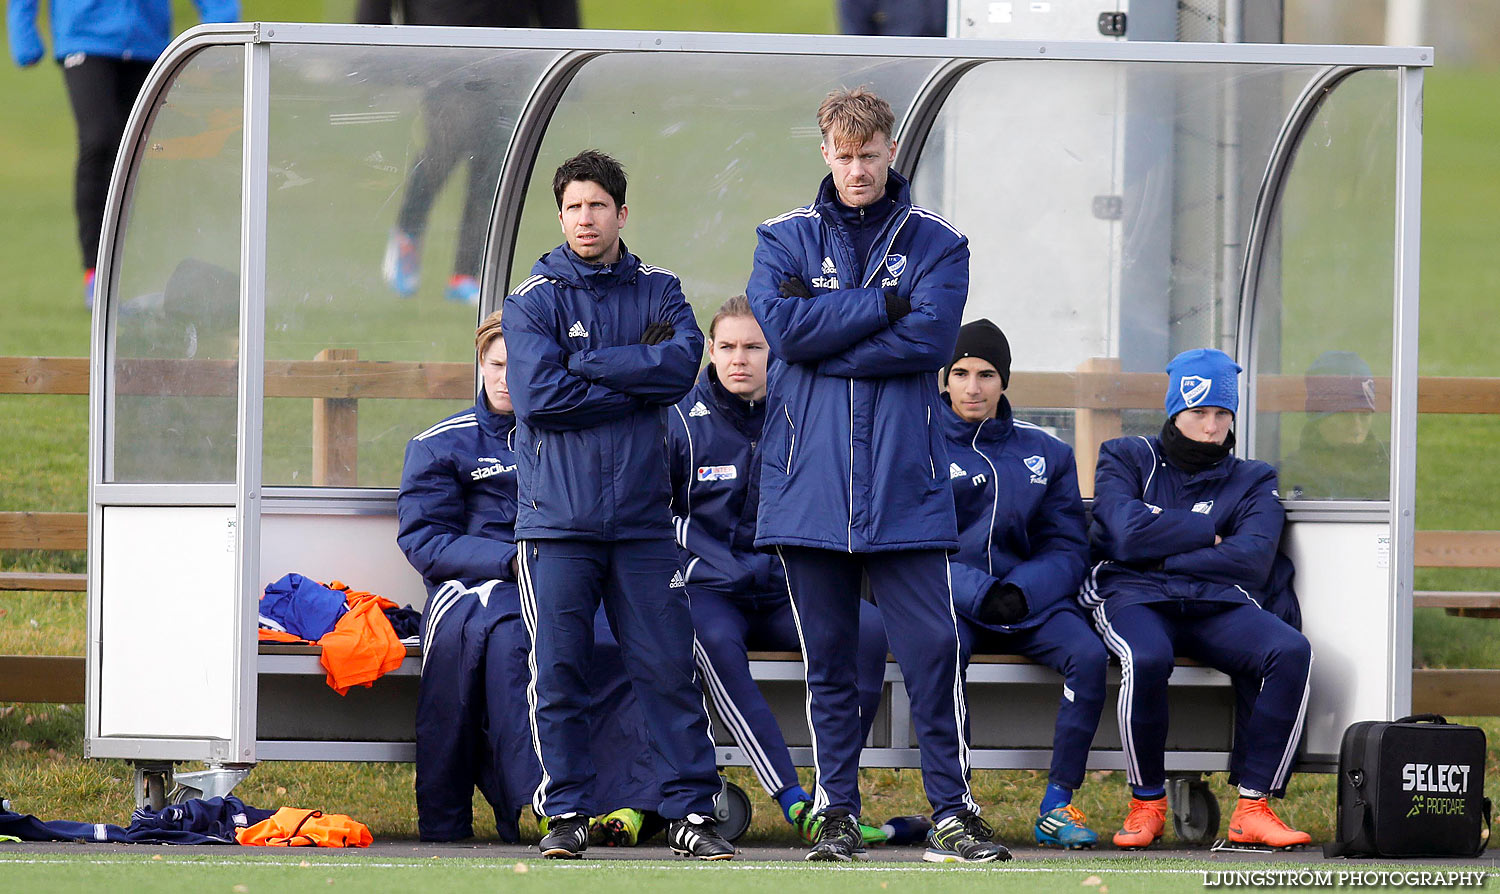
{"x": 168, "y": 622}
{"x": 359, "y": 550}
{"x": 1343, "y": 582}
{"x": 1023, "y": 186}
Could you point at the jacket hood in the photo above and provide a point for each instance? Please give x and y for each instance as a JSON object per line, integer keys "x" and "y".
{"x": 897, "y": 189}
{"x": 985, "y": 431}
{"x": 565, "y": 266}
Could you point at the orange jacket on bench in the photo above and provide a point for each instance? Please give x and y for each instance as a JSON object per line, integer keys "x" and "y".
{"x": 363, "y": 646}
{"x": 295, "y": 827}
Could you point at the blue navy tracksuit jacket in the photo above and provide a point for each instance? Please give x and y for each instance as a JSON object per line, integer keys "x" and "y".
{"x": 591, "y": 399}
{"x": 713, "y": 439}
{"x": 195, "y": 821}
{"x": 1154, "y": 528}
{"x": 1020, "y": 518}
{"x": 1153, "y": 534}
{"x": 853, "y": 449}
{"x": 456, "y": 511}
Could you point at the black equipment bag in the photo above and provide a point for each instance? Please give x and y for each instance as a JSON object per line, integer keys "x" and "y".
{"x": 1411, "y": 788}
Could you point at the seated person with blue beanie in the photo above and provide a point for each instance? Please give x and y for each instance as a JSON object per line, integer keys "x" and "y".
{"x": 1185, "y": 534}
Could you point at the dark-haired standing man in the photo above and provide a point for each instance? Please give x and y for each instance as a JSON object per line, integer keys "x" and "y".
{"x": 860, "y": 295}
{"x": 600, "y": 345}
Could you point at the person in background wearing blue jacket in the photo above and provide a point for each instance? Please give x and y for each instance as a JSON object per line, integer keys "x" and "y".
{"x": 1022, "y": 553}
{"x": 601, "y": 346}
{"x": 1187, "y": 534}
{"x": 106, "y": 48}
{"x": 738, "y": 593}
{"x": 456, "y": 511}
{"x": 860, "y": 295}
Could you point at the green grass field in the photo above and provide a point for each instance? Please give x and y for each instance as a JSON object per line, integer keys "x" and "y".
{"x": 43, "y": 467}
{"x": 316, "y": 872}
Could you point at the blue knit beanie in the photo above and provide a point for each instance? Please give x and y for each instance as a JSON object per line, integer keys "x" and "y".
{"x": 1202, "y": 377}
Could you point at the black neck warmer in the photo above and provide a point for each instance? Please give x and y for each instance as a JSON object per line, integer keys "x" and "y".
{"x": 1189, "y": 455}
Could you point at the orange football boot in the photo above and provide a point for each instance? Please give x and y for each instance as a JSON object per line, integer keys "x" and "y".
{"x": 1143, "y": 824}
{"x": 1254, "y": 822}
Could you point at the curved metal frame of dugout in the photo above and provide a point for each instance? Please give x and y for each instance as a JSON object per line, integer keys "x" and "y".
{"x": 232, "y": 512}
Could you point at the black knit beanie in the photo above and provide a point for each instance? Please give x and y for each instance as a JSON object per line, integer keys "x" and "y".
{"x": 983, "y": 339}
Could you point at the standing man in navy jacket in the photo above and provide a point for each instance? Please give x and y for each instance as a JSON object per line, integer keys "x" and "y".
{"x": 860, "y": 295}
{"x": 738, "y": 593}
{"x": 457, "y": 513}
{"x": 1188, "y": 535}
{"x": 601, "y": 345}
{"x": 1022, "y": 552}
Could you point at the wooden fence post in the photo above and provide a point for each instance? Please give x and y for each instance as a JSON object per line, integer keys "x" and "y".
{"x": 335, "y": 432}
{"x": 1093, "y": 427}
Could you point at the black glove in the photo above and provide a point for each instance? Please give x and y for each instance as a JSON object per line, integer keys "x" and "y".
{"x": 794, "y": 288}
{"x": 1003, "y": 604}
{"x": 657, "y": 333}
{"x": 896, "y": 307}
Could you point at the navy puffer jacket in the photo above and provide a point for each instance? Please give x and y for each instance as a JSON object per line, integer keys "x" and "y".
{"x": 853, "y": 455}
{"x": 591, "y": 400}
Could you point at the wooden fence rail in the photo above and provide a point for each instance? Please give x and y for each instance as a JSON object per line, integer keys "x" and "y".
{"x": 337, "y": 380}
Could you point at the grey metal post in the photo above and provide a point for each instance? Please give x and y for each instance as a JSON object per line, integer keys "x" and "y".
{"x": 251, "y": 393}
{"x": 1404, "y": 382}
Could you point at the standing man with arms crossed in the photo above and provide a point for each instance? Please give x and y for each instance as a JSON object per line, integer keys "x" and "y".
{"x": 860, "y": 295}
{"x": 738, "y": 593}
{"x": 601, "y": 344}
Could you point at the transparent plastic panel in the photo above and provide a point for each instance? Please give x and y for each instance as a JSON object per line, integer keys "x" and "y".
{"x": 1323, "y": 308}
{"x": 175, "y": 308}
{"x": 384, "y": 162}
{"x": 712, "y": 146}
{"x": 1107, "y": 206}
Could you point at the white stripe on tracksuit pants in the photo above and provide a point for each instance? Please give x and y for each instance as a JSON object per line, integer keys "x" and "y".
{"x": 1246, "y": 642}
{"x": 562, "y": 584}
{"x": 914, "y": 592}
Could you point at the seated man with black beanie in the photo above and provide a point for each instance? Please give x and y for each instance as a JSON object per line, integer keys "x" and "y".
{"x": 1022, "y": 553}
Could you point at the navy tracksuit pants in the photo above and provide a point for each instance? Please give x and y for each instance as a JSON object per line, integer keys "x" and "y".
{"x": 563, "y": 583}
{"x": 1065, "y": 643}
{"x": 473, "y": 724}
{"x": 916, "y": 606}
{"x": 1242, "y": 640}
{"x": 727, "y": 629}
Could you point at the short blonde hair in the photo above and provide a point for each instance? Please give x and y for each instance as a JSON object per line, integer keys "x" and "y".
{"x": 854, "y": 116}
{"x": 738, "y": 306}
{"x": 488, "y": 331}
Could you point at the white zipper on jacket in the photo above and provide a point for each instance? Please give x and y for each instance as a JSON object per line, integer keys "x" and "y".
{"x": 791, "y": 448}
{"x": 851, "y": 465}
{"x": 989, "y": 539}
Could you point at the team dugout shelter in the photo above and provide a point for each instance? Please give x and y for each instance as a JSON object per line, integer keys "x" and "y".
{"x": 254, "y": 381}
